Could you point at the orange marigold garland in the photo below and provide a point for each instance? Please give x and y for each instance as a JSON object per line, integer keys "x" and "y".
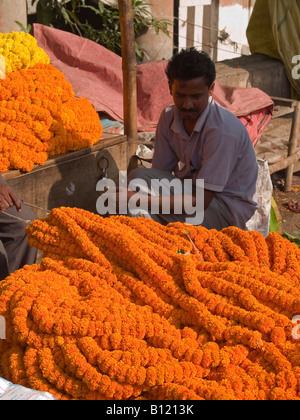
{"x": 40, "y": 117}
{"x": 110, "y": 315}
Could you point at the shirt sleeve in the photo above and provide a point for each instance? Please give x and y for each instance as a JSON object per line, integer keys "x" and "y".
{"x": 220, "y": 154}
{"x": 164, "y": 157}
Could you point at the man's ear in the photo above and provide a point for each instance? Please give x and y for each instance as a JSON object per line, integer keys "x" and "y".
{"x": 211, "y": 89}
{"x": 170, "y": 87}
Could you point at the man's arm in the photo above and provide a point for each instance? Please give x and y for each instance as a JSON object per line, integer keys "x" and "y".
{"x": 158, "y": 201}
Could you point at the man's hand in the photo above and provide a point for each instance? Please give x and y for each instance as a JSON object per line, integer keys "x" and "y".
{"x": 8, "y": 198}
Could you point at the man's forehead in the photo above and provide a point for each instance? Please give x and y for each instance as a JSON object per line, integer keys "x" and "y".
{"x": 197, "y": 84}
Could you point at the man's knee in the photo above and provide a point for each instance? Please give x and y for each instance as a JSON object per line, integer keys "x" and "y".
{"x": 140, "y": 173}
{"x": 19, "y": 220}
{"x": 4, "y": 270}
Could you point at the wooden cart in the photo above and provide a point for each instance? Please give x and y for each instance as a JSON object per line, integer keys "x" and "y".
{"x": 70, "y": 180}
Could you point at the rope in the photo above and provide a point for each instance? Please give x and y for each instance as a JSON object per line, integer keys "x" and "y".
{"x": 27, "y": 222}
{"x": 36, "y": 207}
{"x": 195, "y": 248}
{"x": 204, "y": 44}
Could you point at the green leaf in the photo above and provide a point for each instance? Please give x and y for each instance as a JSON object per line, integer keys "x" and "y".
{"x": 292, "y": 238}
{"x": 138, "y": 52}
{"x": 97, "y": 11}
{"x": 45, "y": 12}
{"x": 273, "y": 221}
{"x": 26, "y": 30}
{"x": 55, "y": 13}
{"x": 101, "y": 7}
{"x": 72, "y": 16}
{"x": 65, "y": 15}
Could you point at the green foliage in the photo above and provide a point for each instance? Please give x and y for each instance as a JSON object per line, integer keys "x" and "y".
{"x": 97, "y": 21}
{"x": 26, "y": 30}
{"x": 273, "y": 221}
{"x": 292, "y": 238}
{"x": 274, "y": 228}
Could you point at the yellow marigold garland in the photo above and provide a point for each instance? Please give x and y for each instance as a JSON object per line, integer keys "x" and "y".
{"x": 108, "y": 315}
{"x": 20, "y": 51}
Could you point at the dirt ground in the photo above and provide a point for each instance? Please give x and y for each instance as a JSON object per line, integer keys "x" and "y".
{"x": 290, "y": 218}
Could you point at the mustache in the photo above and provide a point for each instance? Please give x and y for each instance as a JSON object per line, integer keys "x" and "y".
{"x": 188, "y": 110}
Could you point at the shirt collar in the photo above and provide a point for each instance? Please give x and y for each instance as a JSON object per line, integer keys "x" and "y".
{"x": 177, "y": 125}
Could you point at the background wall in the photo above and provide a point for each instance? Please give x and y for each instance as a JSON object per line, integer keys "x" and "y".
{"x": 11, "y": 11}
{"x": 158, "y": 47}
{"x": 215, "y": 26}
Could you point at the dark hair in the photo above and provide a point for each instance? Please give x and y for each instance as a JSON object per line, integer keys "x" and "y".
{"x": 190, "y": 64}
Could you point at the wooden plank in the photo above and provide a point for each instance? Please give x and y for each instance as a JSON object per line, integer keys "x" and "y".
{"x": 106, "y": 141}
{"x": 190, "y": 29}
{"x": 70, "y": 180}
{"x": 206, "y": 31}
{"x": 280, "y": 111}
{"x": 214, "y": 25}
{"x": 283, "y": 164}
{"x": 290, "y": 103}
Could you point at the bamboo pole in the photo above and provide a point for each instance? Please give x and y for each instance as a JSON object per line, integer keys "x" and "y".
{"x": 129, "y": 67}
{"x": 293, "y": 145}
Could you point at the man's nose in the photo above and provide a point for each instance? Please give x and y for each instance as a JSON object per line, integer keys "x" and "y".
{"x": 188, "y": 102}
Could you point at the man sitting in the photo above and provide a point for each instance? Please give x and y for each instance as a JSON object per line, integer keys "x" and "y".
{"x": 197, "y": 139}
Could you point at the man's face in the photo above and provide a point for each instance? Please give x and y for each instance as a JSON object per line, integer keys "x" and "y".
{"x": 191, "y": 96}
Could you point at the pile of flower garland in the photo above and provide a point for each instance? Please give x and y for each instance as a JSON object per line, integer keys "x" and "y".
{"x": 39, "y": 114}
{"x": 20, "y": 51}
{"x": 124, "y": 308}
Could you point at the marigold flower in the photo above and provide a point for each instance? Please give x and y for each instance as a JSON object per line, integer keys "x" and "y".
{"x": 110, "y": 315}
{"x": 21, "y": 51}
{"x": 39, "y": 114}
